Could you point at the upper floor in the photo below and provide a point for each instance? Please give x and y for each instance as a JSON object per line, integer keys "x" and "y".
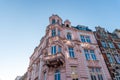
{"x": 59, "y": 31}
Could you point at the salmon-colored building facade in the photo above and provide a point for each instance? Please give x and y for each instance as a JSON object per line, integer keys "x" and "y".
{"x": 67, "y": 53}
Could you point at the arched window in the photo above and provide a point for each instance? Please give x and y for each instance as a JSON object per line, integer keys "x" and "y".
{"x": 69, "y": 37}
{"x": 57, "y": 75}
{"x": 67, "y": 25}
{"x": 53, "y": 21}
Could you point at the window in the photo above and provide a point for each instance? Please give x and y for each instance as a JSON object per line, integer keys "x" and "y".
{"x": 71, "y": 52}
{"x": 104, "y": 44}
{"x": 56, "y": 49}
{"x": 85, "y": 39}
{"x": 69, "y": 37}
{"x": 74, "y": 74}
{"x": 87, "y": 55}
{"x": 53, "y": 32}
{"x": 117, "y": 76}
{"x": 88, "y": 39}
{"x": 93, "y": 77}
{"x": 110, "y": 58}
{"x": 95, "y": 73}
{"x": 93, "y": 55}
{"x": 82, "y": 38}
{"x": 119, "y": 45}
{"x": 58, "y": 32}
{"x": 100, "y": 77}
{"x": 111, "y": 45}
{"x": 45, "y": 76}
{"x": 53, "y": 50}
{"x": 67, "y": 25}
{"x": 57, "y": 75}
{"x": 59, "y": 49}
{"x": 117, "y": 58}
{"x": 53, "y": 21}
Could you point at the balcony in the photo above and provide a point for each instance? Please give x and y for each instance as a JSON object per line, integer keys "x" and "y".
{"x": 92, "y": 63}
{"x": 86, "y": 45}
{"x": 53, "y": 39}
{"x": 54, "y": 60}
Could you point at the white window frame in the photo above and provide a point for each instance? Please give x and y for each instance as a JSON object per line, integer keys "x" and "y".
{"x": 71, "y": 52}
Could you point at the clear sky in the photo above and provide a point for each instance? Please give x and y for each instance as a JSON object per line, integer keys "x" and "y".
{"x": 23, "y": 23}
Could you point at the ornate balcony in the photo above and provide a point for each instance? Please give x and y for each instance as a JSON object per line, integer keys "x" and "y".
{"x": 92, "y": 63}
{"x": 54, "y": 60}
{"x": 86, "y": 45}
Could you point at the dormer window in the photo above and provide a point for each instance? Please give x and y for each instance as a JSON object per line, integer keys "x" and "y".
{"x": 69, "y": 37}
{"x": 53, "y": 21}
{"x": 67, "y": 25}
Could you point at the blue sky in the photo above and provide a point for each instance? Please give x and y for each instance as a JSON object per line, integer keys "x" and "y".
{"x": 23, "y": 23}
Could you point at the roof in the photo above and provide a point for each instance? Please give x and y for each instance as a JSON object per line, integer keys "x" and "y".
{"x": 82, "y": 27}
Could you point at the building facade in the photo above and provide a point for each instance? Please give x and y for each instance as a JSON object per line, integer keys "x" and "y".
{"x": 109, "y": 44}
{"x": 117, "y": 32}
{"x": 67, "y": 53}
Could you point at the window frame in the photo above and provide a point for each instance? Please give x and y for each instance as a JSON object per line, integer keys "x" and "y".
{"x": 53, "y": 50}
{"x": 53, "y": 21}
{"x": 95, "y": 72}
{"x": 59, "y": 49}
{"x": 53, "y": 32}
{"x": 110, "y": 58}
{"x": 71, "y": 52}
{"x": 57, "y": 75}
{"x": 87, "y": 55}
{"x": 104, "y": 44}
{"x": 111, "y": 45}
{"x": 117, "y": 58}
{"x": 85, "y": 38}
{"x": 88, "y": 39}
{"x": 82, "y": 37}
{"x": 45, "y": 76}
{"x": 93, "y": 56}
{"x": 69, "y": 36}
{"x": 59, "y": 32}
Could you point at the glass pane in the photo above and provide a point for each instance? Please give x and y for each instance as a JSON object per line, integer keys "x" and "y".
{"x": 53, "y": 21}
{"x": 88, "y": 39}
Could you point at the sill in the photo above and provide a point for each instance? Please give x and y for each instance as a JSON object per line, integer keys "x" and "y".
{"x": 92, "y": 60}
{"x": 72, "y": 58}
